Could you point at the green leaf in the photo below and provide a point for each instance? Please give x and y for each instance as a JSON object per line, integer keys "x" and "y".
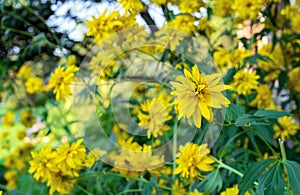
{"x": 233, "y": 111}
{"x": 272, "y": 181}
{"x": 293, "y": 172}
{"x": 270, "y": 113}
{"x": 264, "y": 132}
{"x": 247, "y": 119}
{"x": 252, "y": 174}
{"x": 212, "y": 182}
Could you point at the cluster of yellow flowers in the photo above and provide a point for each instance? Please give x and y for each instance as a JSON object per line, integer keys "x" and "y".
{"x": 16, "y": 162}
{"x": 60, "y": 168}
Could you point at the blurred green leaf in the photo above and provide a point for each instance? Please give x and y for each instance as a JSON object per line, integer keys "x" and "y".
{"x": 293, "y": 172}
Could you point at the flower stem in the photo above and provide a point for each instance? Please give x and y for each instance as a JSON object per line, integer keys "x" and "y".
{"x": 174, "y": 149}
{"x": 282, "y": 150}
{"x": 222, "y": 165}
{"x": 82, "y": 189}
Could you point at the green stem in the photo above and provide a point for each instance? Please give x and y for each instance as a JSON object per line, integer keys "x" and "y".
{"x": 268, "y": 145}
{"x": 82, "y": 189}
{"x": 130, "y": 190}
{"x": 222, "y": 165}
{"x": 282, "y": 150}
{"x": 231, "y": 140}
{"x": 174, "y": 149}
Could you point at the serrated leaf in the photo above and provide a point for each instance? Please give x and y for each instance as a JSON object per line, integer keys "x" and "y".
{"x": 252, "y": 174}
{"x": 293, "y": 172}
{"x": 271, "y": 182}
{"x": 270, "y": 113}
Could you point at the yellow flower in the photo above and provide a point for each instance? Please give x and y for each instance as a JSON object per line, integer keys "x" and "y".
{"x": 192, "y": 159}
{"x": 295, "y": 21}
{"x": 8, "y": 119}
{"x": 24, "y": 72}
{"x": 233, "y": 191}
{"x": 247, "y": 9}
{"x": 159, "y": 2}
{"x": 27, "y": 118}
{"x": 11, "y": 177}
{"x": 21, "y": 134}
{"x": 244, "y": 82}
{"x": 71, "y": 61}
{"x": 184, "y": 23}
{"x": 61, "y": 183}
{"x": 0, "y": 192}
{"x": 222, "y": 8}
{"x": 195, "y": 192}
{"x": 70, "y": 159}
{"x": 153, "y": 115}
{"x": 131, "y": 6}
{"x": 107, "y": 24}
{"x": 61, "y": 80}
{"x": 286, "y": 129}
{"x": 33, "y": 85}
{"x": 294, "y": 76}
{"x": 263, "y": 98}
{"x": 187, "y": 6}
{"x": 178, "y": 188}
{"x": 93, "y": 157}
{"x": 42, "y": 164}
{"x": 197, "y": 94}
{"x": 170, "y": 38}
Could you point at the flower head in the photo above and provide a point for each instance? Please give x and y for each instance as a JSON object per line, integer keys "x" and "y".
{"x": 263, "y": 98}
{"x": 153, "y": 115}
{"x": 197, "y": 94}
{"x": 8, "y": 119}
{"x": 287, "y": 128}
{"x": 61, "y": 80}
{"x": 34, "y": 85}
{"x": 192, "y": 159}
{"x": 27, "y": 118}
{"x": 244, "y": 82}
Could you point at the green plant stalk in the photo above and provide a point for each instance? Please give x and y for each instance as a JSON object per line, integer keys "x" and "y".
{"x": 268, "y": 145}
{"x": 82, "y": 189}
{"x": 174, "y": 149}
{"x": 282, "y": 150}
{"x": 222, "y": 165}
{"x": 141, "y": 180}
{"x": 130, "y": 190}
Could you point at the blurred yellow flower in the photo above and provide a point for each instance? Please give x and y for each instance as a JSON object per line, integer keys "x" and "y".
{"x": 247, "y": 9}
{"x": 187, "y": 6}
{"x": 27, "y": 118}
{"x": 61, "y": 183}
{"x": 24, "y": 72}
{"x": 184, "y": 23}
{"x": 222, "y": 8}
{"x": 34, "y": 85}
{"x": 233, "y": 191}
{"x": 288, "y": 127}
{"x": 245, "y": 82}
{"x": 197, "y": 94}
{"x": 294, "y": 76}
{"x": 11, "y": 177}
{"x": 21, "y": 134}
{"x": 61, "y": 80}
{"x": 263, "y": 98}
{"x": 192, "y": 159}
{"x": 153, "y": 115}
{"x": 71, "y": 61}
{"x": 131, "y": 6}
{"x": 93, "y": 156}
{"x": 195, "y": 192}
{"x": 8, "y": 119}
